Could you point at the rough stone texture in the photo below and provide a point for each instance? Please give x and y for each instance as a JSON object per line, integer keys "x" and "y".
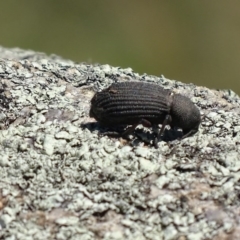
{"x": 60, "y": 179}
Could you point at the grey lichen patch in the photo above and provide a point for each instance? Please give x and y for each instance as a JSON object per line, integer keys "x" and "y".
{"x": 64, "y": 180}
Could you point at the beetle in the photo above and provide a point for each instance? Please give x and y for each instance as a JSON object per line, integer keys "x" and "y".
{"x": 133, "y": 103}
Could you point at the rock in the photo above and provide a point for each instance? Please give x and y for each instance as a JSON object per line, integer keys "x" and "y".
{"x": 52, "y": 157}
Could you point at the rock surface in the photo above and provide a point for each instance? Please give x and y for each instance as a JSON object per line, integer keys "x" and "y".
{"x": 61, "y": 180}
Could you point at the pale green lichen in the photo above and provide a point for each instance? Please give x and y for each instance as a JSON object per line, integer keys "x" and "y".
{"x": 63, "y": 180}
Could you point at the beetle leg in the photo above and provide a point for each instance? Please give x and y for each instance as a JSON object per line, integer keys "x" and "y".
{"x": 111, "y": 134}
{"x": 166, "y": 122}
{"x": 129, "y": 130}
{"x": 144, "y": 122}
{"x": 190, "y": 133}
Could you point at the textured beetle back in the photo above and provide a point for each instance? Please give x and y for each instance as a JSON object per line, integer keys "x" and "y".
{"x": 128, "y": 102}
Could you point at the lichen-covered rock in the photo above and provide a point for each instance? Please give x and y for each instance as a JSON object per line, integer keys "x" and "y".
{"x": 62, "y": 179}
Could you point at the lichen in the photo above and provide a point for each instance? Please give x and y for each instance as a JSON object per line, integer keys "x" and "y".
{"x": 62, "y": 179}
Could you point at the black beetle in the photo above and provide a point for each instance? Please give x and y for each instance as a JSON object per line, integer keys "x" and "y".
{"x": 134, "y": 103}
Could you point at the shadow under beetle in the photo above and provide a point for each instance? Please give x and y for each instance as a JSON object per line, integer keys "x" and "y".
{"x": 134, "y": 103}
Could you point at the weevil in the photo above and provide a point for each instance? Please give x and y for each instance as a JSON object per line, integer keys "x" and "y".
{"x": 134, "y": 103}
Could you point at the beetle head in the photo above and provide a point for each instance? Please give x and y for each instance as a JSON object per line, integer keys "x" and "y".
{"x": 185, "y": 115}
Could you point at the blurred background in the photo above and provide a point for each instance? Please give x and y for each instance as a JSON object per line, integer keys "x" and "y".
{"x": 189, "y": 40}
